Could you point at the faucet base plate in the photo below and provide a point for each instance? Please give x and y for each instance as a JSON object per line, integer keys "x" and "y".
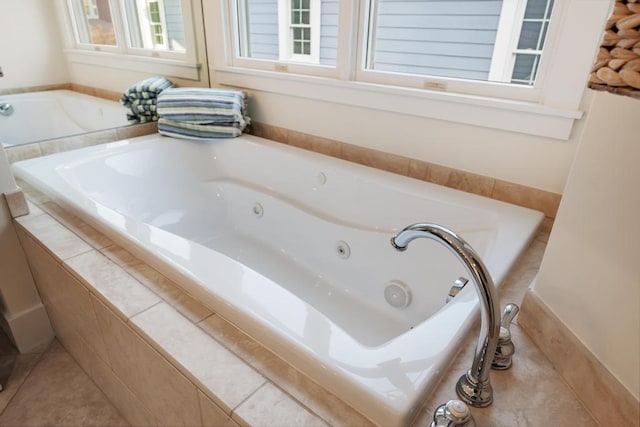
{"x": 473, "y": 393}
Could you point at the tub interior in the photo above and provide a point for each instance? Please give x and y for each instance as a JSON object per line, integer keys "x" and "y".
{"x": 307, "y": 234}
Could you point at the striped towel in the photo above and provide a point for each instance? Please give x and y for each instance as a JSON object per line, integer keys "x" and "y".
{"x": 141, "y": 99}
{"x": 202, "y": 113}
{"x": 186, "y": 130}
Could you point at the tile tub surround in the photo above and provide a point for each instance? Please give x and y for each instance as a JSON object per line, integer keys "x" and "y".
{"x": 27, "y": 89}
{"x": 610, "y": 402}
{"x": 509, "y": 192}
{"x": 88, "y": 90}
{"x": 175, "y": 339}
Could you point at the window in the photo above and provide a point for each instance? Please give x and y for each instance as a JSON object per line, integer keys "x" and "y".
{"x": 516, "y": 65}
{"x": 298, "y": 39}
{"x": 155, "y": 24}
{"x": 294, "y": 31}
{"x": 134, "y": 29}
{"x": 93, "y": 23}
{"x": 532, "y": 36}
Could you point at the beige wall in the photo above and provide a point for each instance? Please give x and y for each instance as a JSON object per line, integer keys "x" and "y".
{"x": 528, "y": 160}
{"x": 30, "y": 46}
{"x": 590, "y": 274}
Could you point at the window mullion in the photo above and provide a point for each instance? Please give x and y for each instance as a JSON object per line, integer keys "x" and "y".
{"x": 118, "y": 26}
{"x": 509, "y": 27}
{"x": 349, "y": 30}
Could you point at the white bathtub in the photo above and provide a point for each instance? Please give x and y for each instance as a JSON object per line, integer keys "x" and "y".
{"x": 294, "y": 248}
{"x": 39, "y": 116}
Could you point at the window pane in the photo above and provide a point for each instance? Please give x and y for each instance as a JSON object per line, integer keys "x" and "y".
{"x": 530, "y": 35}
{"x": 260, "y": 29}
{"x": 93, "y": 22}
{"x": 525, "y": 69}
{"x": 435, "y": 38}
{"x": 538, "y": 9}
{"x": 155, "y": 24}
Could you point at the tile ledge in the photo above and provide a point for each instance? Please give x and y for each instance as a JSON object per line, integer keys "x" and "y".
{"x": 608, "y": 401}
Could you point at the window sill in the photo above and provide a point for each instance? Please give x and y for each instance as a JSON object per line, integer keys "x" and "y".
{"x": 509, "y": 115}
{"x": 154, "y": 65}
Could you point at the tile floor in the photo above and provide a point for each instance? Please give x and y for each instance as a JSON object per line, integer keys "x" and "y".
{"x": 48, "y": 388}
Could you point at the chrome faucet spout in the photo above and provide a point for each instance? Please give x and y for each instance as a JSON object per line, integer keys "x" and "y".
{"x": 474, "y": 387}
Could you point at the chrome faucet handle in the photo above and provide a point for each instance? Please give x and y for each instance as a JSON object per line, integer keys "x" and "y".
{"x": 502, "y": 359}
{"x": 454, "y": 413}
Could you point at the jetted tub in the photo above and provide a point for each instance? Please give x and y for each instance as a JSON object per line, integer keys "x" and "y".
{"x": 40, "y": 116}
{"x": 294, "y": 248}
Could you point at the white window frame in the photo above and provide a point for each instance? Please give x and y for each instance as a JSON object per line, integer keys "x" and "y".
{"x": 144, "y": 10}
{"x": 507, "y": 38}
{"x": 94, "y": 10}
{"x": 495, "y": 88}
{"x": 547, "y": 109}
{"x": 284, "y": 33}
{"x": 234, "y": 40}
{"x": 122, "y": 55}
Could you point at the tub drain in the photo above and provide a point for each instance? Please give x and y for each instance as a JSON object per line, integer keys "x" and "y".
{"x": 343, "y": 250}
{"x": 257, "y": 210}
{"x": 397, "y": 294}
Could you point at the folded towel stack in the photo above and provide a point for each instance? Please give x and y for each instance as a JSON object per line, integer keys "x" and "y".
{"x": 141, "y": 99}
{"x": 197, "y": 113}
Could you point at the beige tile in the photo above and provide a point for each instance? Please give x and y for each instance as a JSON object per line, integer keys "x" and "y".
{"x": 377, "y": 159}
{"x": 54, "y": 345}
{"x": 453, "y": 178}
{"x": 168, "y": 395}
{"x": 33, "y": 194}
{"x": 34, "y": 209}
{"x": 120, "y": 256}
{"x": 77, "y": 141}
{"x": 273, "y": 133}
{"x": 608, "y": 401}
{"x": 113, "y": 285}
{"x": 212, "y": 415}
{"x": 528, "y": 197}
{"x": 544, "y": 231}
{"x": 57, "y": 239}
{"x": 220, "y": 374}
{"x": 522, "y": 274}
{"x": 166, "y": 289}
{"x": 23, "y": 152}
{"x": 269, "y": 406}
{"x": 292, "y": 381}
{"x": 530, "y": 393}
{"x": 47, "y": 272}
{"x": 136, "y": 130}
{"x": 83, "y": 230}
{"x": 97, "y": 92}
{"x": 17, "y": 203}
{"x": 116, "y": 391}
{"x": 78, "y": 303}
{"x": 18, "y": 367}
{"x": 59, "y": 289}
{"x": 315, "y": 143}
{"x": 58, "y": 392}
{"x": 71, "y": 341}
